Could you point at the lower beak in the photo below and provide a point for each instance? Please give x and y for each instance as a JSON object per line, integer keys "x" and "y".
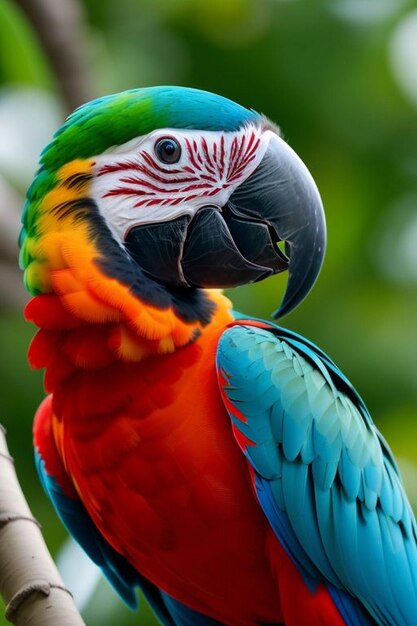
{"x": 238, "y": 244}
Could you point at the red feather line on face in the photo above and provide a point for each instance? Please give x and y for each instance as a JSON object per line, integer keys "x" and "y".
{"x": 207, "y": 171}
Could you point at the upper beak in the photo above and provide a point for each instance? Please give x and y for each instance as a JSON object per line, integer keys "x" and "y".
{"x": 282, "y": 193}
{"x": 238, "y": 243}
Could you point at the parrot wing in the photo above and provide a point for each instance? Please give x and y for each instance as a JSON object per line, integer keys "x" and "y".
{"x": 118, "y": 571}
{"x": 322, "y": 473}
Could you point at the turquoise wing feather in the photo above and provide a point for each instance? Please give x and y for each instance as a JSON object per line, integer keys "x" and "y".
{"x": 324, "y": 476}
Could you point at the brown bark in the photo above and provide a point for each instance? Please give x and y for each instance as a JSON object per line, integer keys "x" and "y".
{"x": 29, "y": 581}
{"x": 60, "y": 25}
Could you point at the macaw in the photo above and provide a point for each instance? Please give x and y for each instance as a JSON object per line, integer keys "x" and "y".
{"x": 222, "y": 464}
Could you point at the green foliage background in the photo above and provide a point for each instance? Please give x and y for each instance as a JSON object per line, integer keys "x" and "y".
{"x": 335, "y": 75}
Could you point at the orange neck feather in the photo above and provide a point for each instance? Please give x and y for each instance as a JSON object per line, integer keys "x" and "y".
{"x": 90, "y": 317}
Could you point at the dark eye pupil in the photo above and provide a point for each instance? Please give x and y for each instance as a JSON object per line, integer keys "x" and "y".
{"x": 169, "y": 147}
{"x": 168, "y": 150}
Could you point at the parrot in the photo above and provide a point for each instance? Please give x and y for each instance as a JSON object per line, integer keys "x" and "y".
{"x": 222, "y": 464}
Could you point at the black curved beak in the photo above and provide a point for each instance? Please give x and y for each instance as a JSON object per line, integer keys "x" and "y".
{"x": 282, "y": 193}
{"x": 238, "y": 243}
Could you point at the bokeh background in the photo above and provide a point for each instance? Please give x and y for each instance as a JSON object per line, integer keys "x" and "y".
{"x": 339, "y": 77}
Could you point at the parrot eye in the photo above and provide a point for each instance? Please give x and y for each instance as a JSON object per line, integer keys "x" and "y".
{"x": 168, "y": 150}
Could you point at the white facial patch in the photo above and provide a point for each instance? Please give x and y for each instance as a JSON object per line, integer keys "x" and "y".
{"x": 132, "y": 186}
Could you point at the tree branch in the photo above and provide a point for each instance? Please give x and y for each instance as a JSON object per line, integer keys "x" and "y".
{"x": 60, "y": 27}
{"x": 29, "y": 581}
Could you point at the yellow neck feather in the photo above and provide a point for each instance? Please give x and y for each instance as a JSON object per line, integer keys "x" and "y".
{"x": 64, "y": 263}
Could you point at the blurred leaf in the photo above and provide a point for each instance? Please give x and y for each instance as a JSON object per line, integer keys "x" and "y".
{"x": 21, "y": 57}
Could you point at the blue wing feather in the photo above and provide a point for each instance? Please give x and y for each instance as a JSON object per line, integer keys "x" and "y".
{"x": 184, "y": 616}
{"x": 324, "y": 476}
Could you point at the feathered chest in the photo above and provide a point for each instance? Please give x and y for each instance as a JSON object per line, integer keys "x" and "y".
{"x": 151, "y": 453}
{"x": 149, "y": 439}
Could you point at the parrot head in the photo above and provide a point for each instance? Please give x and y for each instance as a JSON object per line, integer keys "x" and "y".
{"x": 182, "y": 187}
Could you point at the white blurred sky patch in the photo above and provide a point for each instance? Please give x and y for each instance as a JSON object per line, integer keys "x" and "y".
{"x": 28, "y": 119}
{"x": 403, "y": 55}
{"x": 365, "y": 11}
{"x": 78, "y": 572}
